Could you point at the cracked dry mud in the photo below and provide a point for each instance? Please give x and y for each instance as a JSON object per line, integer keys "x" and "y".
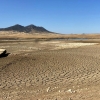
{"x": 64, "y": 74}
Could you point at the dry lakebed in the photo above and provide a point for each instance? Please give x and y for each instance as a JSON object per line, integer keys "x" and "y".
{"x": 50, "y": 70}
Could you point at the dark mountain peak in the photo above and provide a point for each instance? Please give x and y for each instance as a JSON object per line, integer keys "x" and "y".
{"x": 17, "y": 25}
{"x": 31, "y": 25}
{"x": 30, "y": 28}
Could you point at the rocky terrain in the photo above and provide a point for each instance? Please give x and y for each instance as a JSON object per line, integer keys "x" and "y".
{"x": 50, "y": 70}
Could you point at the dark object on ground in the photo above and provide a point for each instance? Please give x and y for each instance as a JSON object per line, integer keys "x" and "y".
{"x": 3, "y": 53}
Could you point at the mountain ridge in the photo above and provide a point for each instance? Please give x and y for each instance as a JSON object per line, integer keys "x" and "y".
{"x": 27, "y": 29}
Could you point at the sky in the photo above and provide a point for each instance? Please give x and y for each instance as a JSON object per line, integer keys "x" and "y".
{"x": 60, "y": 16}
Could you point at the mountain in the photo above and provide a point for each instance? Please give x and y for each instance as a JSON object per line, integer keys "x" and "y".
{"x": 28, "y": 29}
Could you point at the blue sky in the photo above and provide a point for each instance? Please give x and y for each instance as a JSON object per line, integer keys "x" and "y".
{"x": 62, "y": 16}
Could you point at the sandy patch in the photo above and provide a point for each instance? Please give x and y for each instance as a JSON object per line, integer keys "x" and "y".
{"x": 72, "y": 45}
{"x": 50, "y": 42}
{"x": 62, "y": 45}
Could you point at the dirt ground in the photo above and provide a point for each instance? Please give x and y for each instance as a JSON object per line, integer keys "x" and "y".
{"x": 50, "y": 70}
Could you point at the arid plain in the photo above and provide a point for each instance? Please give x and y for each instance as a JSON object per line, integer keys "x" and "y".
{"x": 50, "y": 67}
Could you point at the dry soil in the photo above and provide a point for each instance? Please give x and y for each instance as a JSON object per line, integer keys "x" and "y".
{"x": 46, "y": 70}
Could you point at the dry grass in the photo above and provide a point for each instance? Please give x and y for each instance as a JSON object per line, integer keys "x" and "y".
{"x": 22, "y": 35}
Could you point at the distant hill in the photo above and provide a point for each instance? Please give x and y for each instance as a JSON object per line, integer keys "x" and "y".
{"x": 27, "y": 29}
